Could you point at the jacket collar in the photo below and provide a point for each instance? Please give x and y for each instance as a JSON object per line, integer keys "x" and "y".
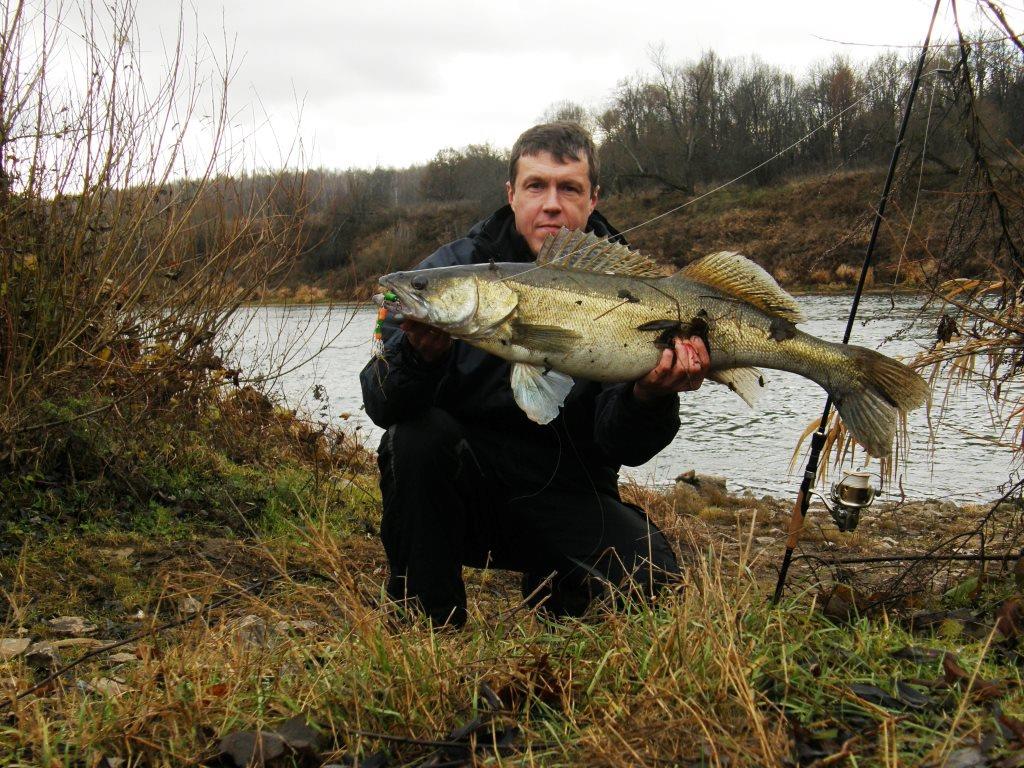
{"x": 496, "y": 239}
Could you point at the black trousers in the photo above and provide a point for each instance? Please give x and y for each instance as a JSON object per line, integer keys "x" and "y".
{"x": 445, "y": 508}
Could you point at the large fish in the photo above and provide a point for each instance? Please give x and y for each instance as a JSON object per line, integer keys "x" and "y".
{"x": 597, "y": 310}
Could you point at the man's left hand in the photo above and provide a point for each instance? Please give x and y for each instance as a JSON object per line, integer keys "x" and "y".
{"x": 682, "y": 368}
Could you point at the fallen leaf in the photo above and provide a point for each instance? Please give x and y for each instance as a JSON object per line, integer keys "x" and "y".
{"x": 957, "y": 675}
{"x": 927, "y": 620}
{"x": 917, "y": 654}
{"x": 1011, "y": 728}
{"x": 952, "y": 670}
{"x": 912, "y": 697}
{"x": 875, "y": 695}
{"x": 1010, "y": 618}
{"x": 844, "y": 603}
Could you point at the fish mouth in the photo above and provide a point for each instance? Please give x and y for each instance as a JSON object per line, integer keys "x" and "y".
{"x": 398, "y": 300}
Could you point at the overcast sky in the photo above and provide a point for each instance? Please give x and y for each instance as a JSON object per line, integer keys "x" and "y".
{"x": 390, "y": 82}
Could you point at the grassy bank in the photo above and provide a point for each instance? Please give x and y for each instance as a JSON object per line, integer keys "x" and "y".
{"x": 268, "y": 561}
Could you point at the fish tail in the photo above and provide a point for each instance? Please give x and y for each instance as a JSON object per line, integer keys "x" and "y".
{"x": 877, "y": 391}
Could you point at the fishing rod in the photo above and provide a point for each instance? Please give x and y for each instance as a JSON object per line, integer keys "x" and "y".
{"x": 803, "y": 498}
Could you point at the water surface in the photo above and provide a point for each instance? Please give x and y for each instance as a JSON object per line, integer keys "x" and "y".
{"x": 958, "y": 457}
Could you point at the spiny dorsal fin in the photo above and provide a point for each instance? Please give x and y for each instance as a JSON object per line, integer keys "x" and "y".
{"x": 738, "y": 276}
{"x": 585, "y": 251}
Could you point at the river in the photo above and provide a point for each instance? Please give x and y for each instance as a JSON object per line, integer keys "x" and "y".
{"x": 319, "y": 351}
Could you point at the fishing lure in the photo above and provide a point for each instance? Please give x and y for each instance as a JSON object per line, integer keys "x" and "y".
{"x": 377, "y": 345}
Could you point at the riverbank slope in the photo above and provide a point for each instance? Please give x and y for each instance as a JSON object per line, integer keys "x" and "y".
{"x": 810, "y": 233}
{"x": 263, "y": 556}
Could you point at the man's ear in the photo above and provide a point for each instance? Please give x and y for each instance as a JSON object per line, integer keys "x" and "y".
{"x": 593, "y": 198}
{"x": 509, "y": 191}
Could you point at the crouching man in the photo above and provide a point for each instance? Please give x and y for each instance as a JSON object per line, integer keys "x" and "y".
{"x": 468, "y": 480}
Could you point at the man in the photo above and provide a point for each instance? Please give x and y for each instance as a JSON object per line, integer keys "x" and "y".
{"x": 467, "y": 479}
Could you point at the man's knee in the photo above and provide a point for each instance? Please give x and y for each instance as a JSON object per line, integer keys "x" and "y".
{"x": 642, "y": 560}
{"x": 431, "y": 439}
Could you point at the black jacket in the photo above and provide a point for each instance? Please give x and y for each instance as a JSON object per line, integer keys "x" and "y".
{"x": 600, "y": 427}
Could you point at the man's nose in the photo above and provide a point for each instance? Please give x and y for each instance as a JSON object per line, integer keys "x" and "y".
{"x": 551, "y": 200}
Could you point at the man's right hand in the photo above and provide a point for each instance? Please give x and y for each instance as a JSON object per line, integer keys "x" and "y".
{"x": 429, "y": 343}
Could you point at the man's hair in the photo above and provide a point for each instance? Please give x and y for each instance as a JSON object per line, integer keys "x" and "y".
{"x": 565, "y": 140}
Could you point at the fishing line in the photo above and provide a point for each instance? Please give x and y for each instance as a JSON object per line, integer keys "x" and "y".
{"x": 818, "y": 438}
{"x": 917, "y": 193}
{"x": 722, "y": 186}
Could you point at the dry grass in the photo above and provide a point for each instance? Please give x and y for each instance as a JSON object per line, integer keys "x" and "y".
{"x": 710, "y": 675}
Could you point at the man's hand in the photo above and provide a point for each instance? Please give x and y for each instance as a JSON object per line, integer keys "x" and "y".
{"x": 429, "y": 343}
{"x": 682, "y": 368}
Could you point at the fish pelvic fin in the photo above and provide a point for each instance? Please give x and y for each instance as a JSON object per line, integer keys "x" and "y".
{"x": 884, "y": 391}
{"x": 739, "y": 277}
{"x": 745, "y": 382}
{"x": 586, "y": 252}
{"x": 538, "y": 392}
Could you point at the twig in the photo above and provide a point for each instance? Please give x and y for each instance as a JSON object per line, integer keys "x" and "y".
{"x": 912, "y": 558}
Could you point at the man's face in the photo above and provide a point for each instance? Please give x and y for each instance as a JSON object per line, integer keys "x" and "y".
{"x": 549, "y": 195}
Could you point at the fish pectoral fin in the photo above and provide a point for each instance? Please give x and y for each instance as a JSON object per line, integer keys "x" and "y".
{"x": 745, "y": 382}
{"x": 539, "y": 394}
{"x": 544, "y": 338}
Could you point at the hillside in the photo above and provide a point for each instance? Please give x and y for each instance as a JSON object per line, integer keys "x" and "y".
{"x": 810, "y": 233}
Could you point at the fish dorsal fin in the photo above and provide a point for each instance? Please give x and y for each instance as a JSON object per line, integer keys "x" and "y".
{"x": 586, "y": 252}
{"x": 741, "y": 278}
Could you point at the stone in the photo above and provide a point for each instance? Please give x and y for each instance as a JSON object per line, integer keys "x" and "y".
{"x": 12, "y": 647}
{"x": 123, "y": 554}
{"x": 106, "y": 686}
{"x": 765, "y": 541}
{"x": 247, "y": 748}
{"x": 300, "y": 627}
{"x": 43, "y": 656}
{"x": 123, "y": 658}
{"x": 702, "y": 481}
{"x": 71, "y": 625}
{"x": 189, "y": 606}
{"x": 77, "y": 642}
{"x": 251, "y": 630}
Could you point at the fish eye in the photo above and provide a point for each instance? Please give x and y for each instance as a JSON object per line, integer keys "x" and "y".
{"x": 419, "y": 282}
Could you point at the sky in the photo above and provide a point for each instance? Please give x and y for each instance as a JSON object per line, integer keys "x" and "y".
{"x": 343, "y": 84}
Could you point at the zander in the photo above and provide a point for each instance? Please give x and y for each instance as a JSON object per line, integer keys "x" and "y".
{"x": 597, "y": 310}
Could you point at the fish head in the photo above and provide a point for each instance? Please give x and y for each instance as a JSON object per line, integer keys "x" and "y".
{"x": 462, "y": 300}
